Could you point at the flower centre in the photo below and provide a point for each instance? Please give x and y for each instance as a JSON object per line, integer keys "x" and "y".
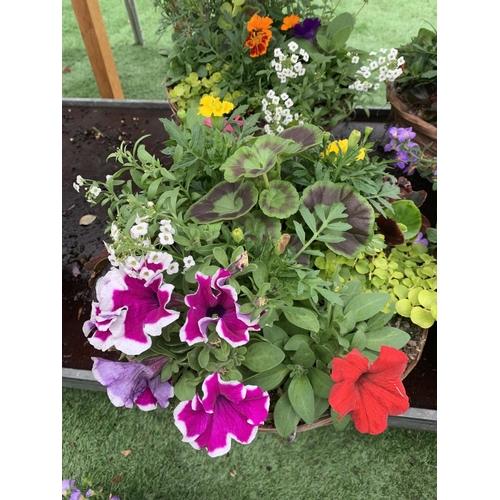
{"x": 216, "y": 312}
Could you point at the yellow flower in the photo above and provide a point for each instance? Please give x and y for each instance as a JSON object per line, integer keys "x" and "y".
{"x": 289, "y": 22}
{"x": 213, "y": 106}
{"x": 343, "y": 145}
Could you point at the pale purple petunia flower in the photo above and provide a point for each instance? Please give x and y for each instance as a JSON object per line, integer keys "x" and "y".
{"x": 128, "y": 312}
{"x": 227, "y": 410}
{"x": 214, "y": 302}
{"x": 67, "y": 484}
{"x": 139, "y": 383}
{"x": 420, "y": 239}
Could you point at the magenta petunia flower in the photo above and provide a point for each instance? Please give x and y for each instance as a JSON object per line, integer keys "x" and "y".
{"x": 128, "y": 312}
{"x": 139, "y": 383}
{"x": 215, "y": 302}
{"x": 227, "y": 410}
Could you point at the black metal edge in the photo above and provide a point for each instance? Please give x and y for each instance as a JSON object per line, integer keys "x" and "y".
{"x": 415, "y": 418}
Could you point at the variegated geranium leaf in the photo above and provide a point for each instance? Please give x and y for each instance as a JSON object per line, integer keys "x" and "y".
{"x": 281, "y": 200}
{"x": 305, "y": 136}
{"x": 257, "y": 226}
{"x": 360, "y": 215}
{"x": 225, "y": 201}
{"x": 256, "y": 160}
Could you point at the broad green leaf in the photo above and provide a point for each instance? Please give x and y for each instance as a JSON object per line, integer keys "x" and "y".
{"x": 281, "y": 200}
{"x": 257, "y": 226}
{"x": 296, "y": 340}
{"x": 303, "y": 318}
{"x": 359, "y": 340}
{"x": 408, "y": 214}
{"x": 262, "y": 356}
{"x": 285, "y": 417}
{"x": 320, "y": 407}
{"x": 221, "y": 257}
{"x": 185, "y": 387}
{"x": 274, "y": 333}
{"x": 341, "y": 424}
{"x": 225, "y": 201}
{"x": 301, "y": 396}
{"x": 367, "y": 304}
{"x": 321, "y": 382}
{"x": 392, "y": 337}
{"x": 304, "y": 356}
{"x": 269, "y": 379}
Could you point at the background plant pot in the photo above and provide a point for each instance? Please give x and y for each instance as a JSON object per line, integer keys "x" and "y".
{"x": 400, "y": 113}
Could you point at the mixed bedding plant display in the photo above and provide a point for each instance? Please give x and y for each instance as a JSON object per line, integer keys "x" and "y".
{"x": 254, "y": 277}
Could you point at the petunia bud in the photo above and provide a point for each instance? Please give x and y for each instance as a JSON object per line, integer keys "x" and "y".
{"x": 237, "y": 235}
{"x": 239, "y": 264}
{"x": 280, "y": 245}
{"x": 260, "y": 302}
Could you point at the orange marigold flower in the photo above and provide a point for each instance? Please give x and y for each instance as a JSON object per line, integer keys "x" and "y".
{"x": 289, "y": 22}
{"x": 259, "y": 35}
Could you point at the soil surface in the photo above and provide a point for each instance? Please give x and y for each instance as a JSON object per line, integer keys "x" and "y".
{"x": 91, "y": 130}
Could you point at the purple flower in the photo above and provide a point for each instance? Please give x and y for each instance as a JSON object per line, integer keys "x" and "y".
{"x": 228, "y": 410}
{"x": 401, "y": 134}
{"x": 67, "y": 484}
{"x": 215, "y": 302}
{"x": 76, "y": 494}
{"x": 403, "y": 158}
{"x": 307, "y": 29}
{"x": 139, "y": 383}
{"x": 128, "y": 311}
{"x": 391, "y": 146}
{"x": 420, "y": 239}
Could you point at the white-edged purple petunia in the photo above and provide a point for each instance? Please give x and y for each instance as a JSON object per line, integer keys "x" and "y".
{"x": 128, "y": 312}
{"x": 227, "y": 410}
{"x": 139, "y": 383}
{"x": 215, "y": 302}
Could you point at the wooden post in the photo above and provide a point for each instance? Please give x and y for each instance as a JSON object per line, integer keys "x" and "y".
{"x": 89, "y": 17}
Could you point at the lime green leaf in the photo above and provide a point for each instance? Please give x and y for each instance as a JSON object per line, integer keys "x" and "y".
{"x": 421, "y": 317}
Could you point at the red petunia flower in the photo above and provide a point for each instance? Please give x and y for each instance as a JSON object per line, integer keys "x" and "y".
{"x": 259, "y": 35}
{"x": 369, "y": 393}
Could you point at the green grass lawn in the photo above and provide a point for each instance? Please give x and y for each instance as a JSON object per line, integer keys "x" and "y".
{"x": 381, "y": 23}
{"x": 320, "y": 464}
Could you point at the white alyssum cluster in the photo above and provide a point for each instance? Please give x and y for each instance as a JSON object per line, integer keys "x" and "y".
{"x": 377, "y": 69}
{"x": 277, "y": 112}
{"x": 289, "y": 65}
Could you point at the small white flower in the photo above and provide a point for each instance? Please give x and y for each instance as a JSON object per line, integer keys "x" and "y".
{"x": 278, "y": 67}
{"x": 79, "y": 180}
{"x": 131, "y": 262}
{"x": 355, "y": 60}
{"x": 383, "y": 51}
{"x": 401, "y": 61}
{"x": 277, "y": 52}
{"x": 381, "y": 60}
{"x": 294, "y": 58}
{"x": 166, "y": 226}
{"x": 273, "y": 62}
{"x": 166, "y": 238}
{"x": 188, "y": 262}
{"x": 108, "y": 177}
{"x": 139, "y": 230}
{"x": 394, "y": 52}
{"x": 275, "y": 100}
{"x": 366, "y": 74}
{"x": 305, "y": 56}
{"x": 267, "y": 128}
{"x": 373, "y": 53}
{"x": 138, "y": 219}
{"x": 293, "y": 46}
{"x": 115, "y": 233}
{"x": 76, "y": 186}
{"x": 376, "y": 86}
{"x": 173, "y": 268}
{"x": 283, "y": 79}
{"x": 292, "y": 74}
{"x": 297, "y": 66}
{"x": 302, "y": 72}
{"x": 391, "y": 57}
{"x": 271, "y": 94}
{"x": 95, "y": 190}
{"x": 279, "y": 129}
{"x": 264, "y": 102}
{"x": 113, "y": 260}
{"x": 373, "y": 65}
{"x": 289, "y": 103}
{"x": 146, "y": 273}
{"x": 284, "y": 96}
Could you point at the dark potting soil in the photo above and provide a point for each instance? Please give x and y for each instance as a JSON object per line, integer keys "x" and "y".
{"x": 90, "y": 132}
